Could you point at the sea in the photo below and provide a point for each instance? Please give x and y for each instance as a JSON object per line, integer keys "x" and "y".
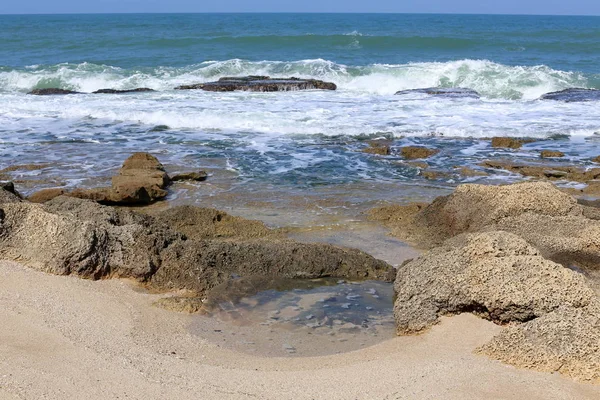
{"x": 284, "y": 156}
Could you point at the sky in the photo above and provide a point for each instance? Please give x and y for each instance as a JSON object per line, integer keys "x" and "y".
{"x": 560, "y": 7}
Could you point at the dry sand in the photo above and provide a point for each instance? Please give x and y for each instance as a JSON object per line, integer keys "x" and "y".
{"x": 67, "y": 338}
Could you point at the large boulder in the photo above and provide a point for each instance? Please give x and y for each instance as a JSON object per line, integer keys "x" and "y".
{"x": 566, "y": 341}
{"x": 141, "y": 180}
{"x": 553, "y": 315}
{"x": 573, "y": 95}
{"x": 496, "y": 275}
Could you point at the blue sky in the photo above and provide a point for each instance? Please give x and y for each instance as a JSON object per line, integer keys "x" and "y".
{"x": 570, "y": 7}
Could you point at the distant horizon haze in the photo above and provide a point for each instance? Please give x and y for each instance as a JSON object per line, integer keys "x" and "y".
{"x": 507, "y": 7}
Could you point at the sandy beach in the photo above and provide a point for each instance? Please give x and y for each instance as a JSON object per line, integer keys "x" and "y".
{"x": 64, "y": 337}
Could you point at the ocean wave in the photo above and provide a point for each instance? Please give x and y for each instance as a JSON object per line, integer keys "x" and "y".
{"x": 492, "y": 80}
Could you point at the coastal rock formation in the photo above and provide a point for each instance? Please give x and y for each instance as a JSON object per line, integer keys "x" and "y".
{"x": 74, "y": 236}
{"x": 416, "y": 152}
{"x": 44, "y": 195}
{"x": 9, "y": 196}
{"x": 141, "y": 180}
{"x": 573, "y": 95}
{"x": 117, "y": 91}
{"x": 551, "y": 171}
{"x": 379, "y": 147}
{"x": 565, "y": 340}
{"x": 444, "y": 92}
{"x": 496, "y": 275}
{"x": 260, "y": 84}
{"x": 51, "y": 91}
{"x": 551, "y": 154}
{"x": 507, "y": 142}
{"x": 197, "y": 176}
{"x": 553, "y": 311}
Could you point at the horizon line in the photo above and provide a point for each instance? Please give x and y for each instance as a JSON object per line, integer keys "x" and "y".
{"x": 302, "y": 12}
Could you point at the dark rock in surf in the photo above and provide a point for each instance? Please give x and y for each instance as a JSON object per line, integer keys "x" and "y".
{"x": 116, "y": 91}
{"x": 260, "y": 84}
{"x": 51, "y": 91}
{"x": 197, "y": 176}
{"x": 444, "y": 92}
{"x": 573, "y": 95}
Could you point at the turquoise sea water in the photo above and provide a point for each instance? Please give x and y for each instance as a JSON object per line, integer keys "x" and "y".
{"x": 300, "y": 139}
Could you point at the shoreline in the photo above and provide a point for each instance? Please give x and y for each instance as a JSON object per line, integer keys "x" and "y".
{"x": 113, "y": 335}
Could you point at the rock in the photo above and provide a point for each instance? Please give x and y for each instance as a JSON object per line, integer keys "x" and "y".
{"x": 260, "y": 84}
{"x": 116, "y": 91}
{"x": 596, "y": 159}
{"x": 444, "y": 92}
{"x": 496, "y": 275}
{"x": 564, "y": 341}
{"x": 51, "y": 91}
{"x": 545, "y": 171}
{"x": 208, "y": 223}
{"x": 25, "y": 167}
{"x": 554, "y": 315}
{"x": 470, "y": 172}
{"x": 507, "y": 142}
{"x": 45, "y": 195}
{"x": 198, "y": 176}
{"x": 416, "y": 152}
{"x": 573, "y": 95}
{"x": 434, "y": 175}
{"x": 382, "y": 150}
{"x": 551, "y": 154}
{"x": 199, "y": 266}
{"x": 8, "y": 186}
{"x": 73, "y": 236}
{"x": 141, "y": 180}
{"x": 7, "y": 196}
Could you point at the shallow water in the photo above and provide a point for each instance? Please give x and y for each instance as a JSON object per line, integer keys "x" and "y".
{"x": 322, "y": 317}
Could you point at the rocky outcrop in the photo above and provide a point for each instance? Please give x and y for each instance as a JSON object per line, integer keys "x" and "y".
{"x": 547, "y": 171}
{"x": 564, "y": 341}
{"x": 444, "y": 92}
{"x": 379, "y": 147}
{"x": 507, "y": 142}
{"x": 7, "y": 196}
{"x": 197, "y": 176}
{"x": 260, "y": 84}
{"x": 117, "y": 91}
{"x": 141, "y": 180}
{"x": 573, "y": 95}
{"x": 552, "y": 311}
{"x": 51, "y": 91}
{"x": 44, "y": 195}
{"x": 551, "y": 154}
{"x": 184, "y": 248}
{"x": 496, "y": 275}
{"x": 417, "y": 152}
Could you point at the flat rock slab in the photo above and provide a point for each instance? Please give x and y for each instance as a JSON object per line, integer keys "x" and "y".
{"x": 116, "y": 91}
{"x": 444, "y": 92}
{"x": 260, "y": 84}
{"x": 57, "y": 91}
{"x": 51, "y": 91}
{"x": 573, "y": 95}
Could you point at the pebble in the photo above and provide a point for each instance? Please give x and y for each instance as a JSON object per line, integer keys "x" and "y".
{"x": 346, "y": 305}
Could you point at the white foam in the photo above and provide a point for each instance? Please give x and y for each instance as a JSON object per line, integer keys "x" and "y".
{"x": 492, "y": 80}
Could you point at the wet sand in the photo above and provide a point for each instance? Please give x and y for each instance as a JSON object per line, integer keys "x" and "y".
{"x": 63, "y": 337}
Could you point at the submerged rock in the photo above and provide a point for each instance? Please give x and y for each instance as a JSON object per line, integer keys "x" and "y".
{"x": 444, "y": 92}
{"x": 197, "y": 176}
{"x": 573, "y": 95}
{"x": 260, "y": 84}
{"x": 117, "y": 91}
{"x": 51, "y": 91}
{"x": 379, "y": 147}
{"x": 417, "y": 152}
{"x": 547, "y": 171}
